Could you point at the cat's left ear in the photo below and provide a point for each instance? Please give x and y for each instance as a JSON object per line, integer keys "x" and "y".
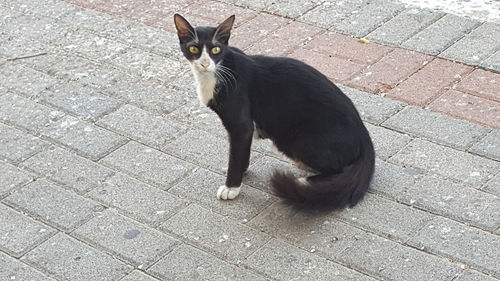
{"x": 223, "y": 31}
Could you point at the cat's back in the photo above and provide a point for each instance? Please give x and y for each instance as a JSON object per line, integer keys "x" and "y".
{"x": 282, "y": 82}
{"x": 277, "y": 67}
{"x": 293, "y": 73}
{"x": 283, "y": 75}
{"x": 284, "y": 65}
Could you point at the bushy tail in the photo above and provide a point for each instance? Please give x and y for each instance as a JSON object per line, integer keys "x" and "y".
{"x": 329, "y": 191}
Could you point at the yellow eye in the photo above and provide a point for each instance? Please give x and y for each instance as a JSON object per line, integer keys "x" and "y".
{"x": 193, "y": 49}
{"x": 215, "y": 50}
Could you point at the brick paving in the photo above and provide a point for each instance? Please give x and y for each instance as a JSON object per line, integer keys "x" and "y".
{"x": 110, "y": 166}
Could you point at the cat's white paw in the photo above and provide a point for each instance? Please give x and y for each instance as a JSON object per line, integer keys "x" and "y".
{"x": 227, "y": 193}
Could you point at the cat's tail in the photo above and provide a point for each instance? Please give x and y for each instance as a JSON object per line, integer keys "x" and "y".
{"x": 329, "y": 191}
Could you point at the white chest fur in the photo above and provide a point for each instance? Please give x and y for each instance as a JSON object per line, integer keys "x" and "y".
{"x": 205, "y": 85}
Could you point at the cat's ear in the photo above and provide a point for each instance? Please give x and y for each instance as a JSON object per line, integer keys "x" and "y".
{"x": 184, "y": 29}
{"x": 223, "y": 31}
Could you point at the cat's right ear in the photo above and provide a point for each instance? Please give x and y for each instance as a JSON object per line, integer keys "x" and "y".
{"x": 184, "y": 30}
{"x": 223, "y": 31}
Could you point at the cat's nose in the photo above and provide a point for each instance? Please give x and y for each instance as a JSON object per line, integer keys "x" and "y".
{"x": 204, "y": 64}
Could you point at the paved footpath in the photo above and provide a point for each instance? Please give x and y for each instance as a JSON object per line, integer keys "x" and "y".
{"x": 110, "y": 167}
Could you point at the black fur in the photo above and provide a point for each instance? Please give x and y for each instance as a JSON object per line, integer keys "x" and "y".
{"x": 307, "y": 117}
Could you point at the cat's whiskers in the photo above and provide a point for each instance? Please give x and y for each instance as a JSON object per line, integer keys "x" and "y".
{"x": 221, "y": 79}
{"x": 229, "y": 78}
{"x": 226, "y": 74}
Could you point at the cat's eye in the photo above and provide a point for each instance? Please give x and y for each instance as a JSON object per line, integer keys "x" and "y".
{"x": 215, "y": 50}
{"x": 193, "y": 49}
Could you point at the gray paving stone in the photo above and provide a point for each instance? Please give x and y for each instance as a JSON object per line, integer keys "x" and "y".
{"x": 30, "y": 35}
{"x": 369, "y": 17}
{"x": 69, "y": 259}
{"x": 493, "y": 186}
{"x": 13, "y": 269}
{"x": 254, "y": 4}
{"x": 66, "y": 168}
{"x": 21, "y": 79}
{"x": 267, "y": 147}
{"x": 149, "y": 95}
{"x": 447, "y": 161}
{"x": 201, "y": 187}
{"x": 385, "y": 217}
{"x": 7, "y": 12}
{"x": 78, "y": 99}
{"x": 471, "y": 275}
{"x": 138, "y": 244}
{"x": 492, "y": 62}
{"x": 55, "y": 63}
{"x": 317, "y": 232}
{"x": 291, "y": 9}
{"x": 391, "y": 261}
{"x": 3, "y": 90}
{"x": 48, "y": 8}
{"x": 386, "y": 142}
{"x": 350, "y": 246}
{"x": 149, "y": 165}
{"x": 137, "y": 275}
{"x": 404, "y": 25}
{"x": 312, "y": 231}
{"x": 11, "y": 178}
{"x": 391, "y": 180}
{"x": 331, "y": 12}
{"x": 441, "y": 34}
{"x": 16, "y": 145}
{"x": 53, "y": 205}
{"x": 142, "y": 126}
{"x": 97, "y": 21}
{"x": 73, "y": 68}
{"x": 217, "y": 234}
{"x": 92, "y": 46}
{"x": 372, "y": 108}
{"x": 436, "y": 127}
{"x": 457, "y": 241}
{"x": 365, "y": 252}
{"x": 21, "y": 46}
{"x": 489, "y": 146}
{"x": 26, "y": 113}
{"x": 476, "y": 46}
{"x": 127, "y": 31}
{"x": 259, "y": 174}
{"x": 457, "y": 201}
{"x": 282, "y": 261}
{"x": 188, "y": 263}
{"x": 146, "y": 37}
{"x": 20, "y": 233}
{"x": 84, "y": 137}
{"x": 136, "y": 199}
{"x": 149, "y": 65}
{"x": 37, "y": 27}
{"x": 199, "y": 116}
{"x": 207, "y": 150}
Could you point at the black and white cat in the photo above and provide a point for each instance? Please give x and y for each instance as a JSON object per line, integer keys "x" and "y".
{"x": 306, "y": 116}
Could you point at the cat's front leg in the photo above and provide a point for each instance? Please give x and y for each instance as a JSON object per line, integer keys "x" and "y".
{"x": 239, "y": 156}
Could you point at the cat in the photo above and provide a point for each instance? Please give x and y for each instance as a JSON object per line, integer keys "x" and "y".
{"x": 305, "y": 115}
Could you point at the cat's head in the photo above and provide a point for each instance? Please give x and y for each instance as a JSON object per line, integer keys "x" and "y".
{"x": 204, "y": 47}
